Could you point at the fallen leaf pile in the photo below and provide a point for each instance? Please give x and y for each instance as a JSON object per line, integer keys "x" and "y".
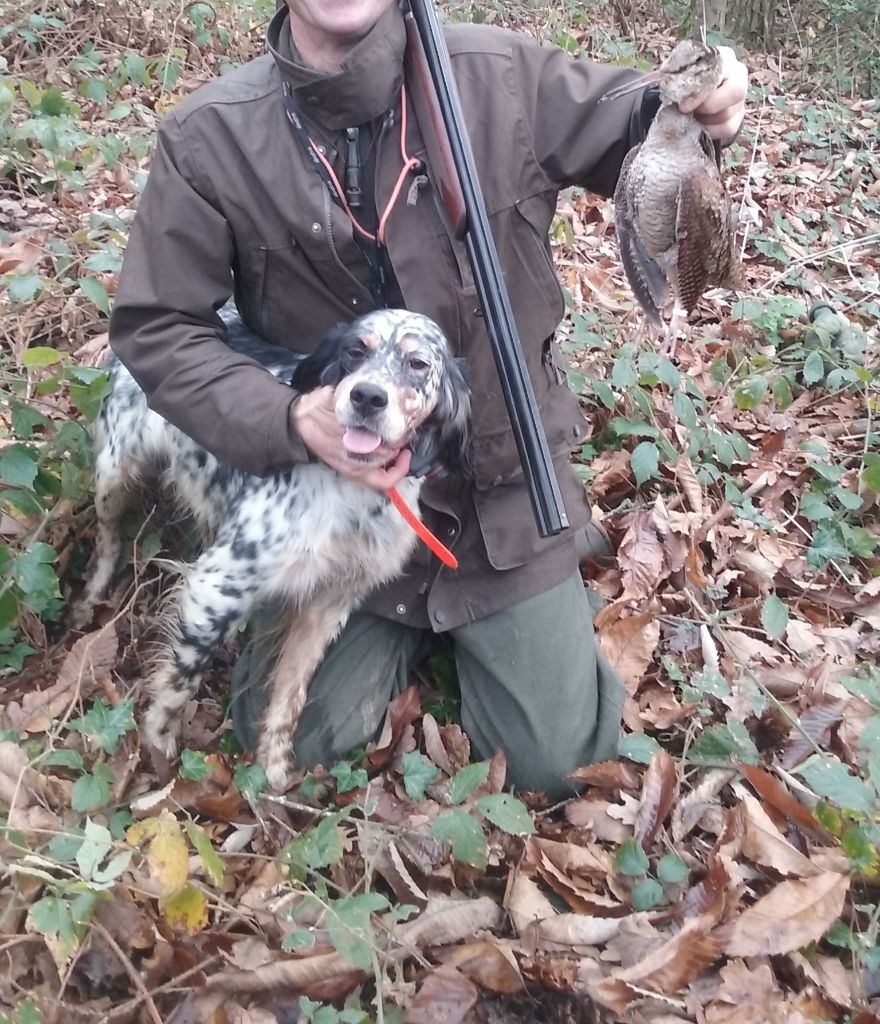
{"x": 725, "y": 870}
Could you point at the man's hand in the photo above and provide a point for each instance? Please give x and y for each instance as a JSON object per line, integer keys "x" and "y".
{"x": 721, "y": 110}
{"x": 314, "y": 419}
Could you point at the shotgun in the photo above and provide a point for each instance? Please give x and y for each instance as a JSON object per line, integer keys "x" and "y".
{"x": 438, "y": 111}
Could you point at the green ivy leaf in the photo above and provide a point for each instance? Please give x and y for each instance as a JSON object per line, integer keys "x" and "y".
{"x": 645, "y": 894}
{"x": 672, "y": 870}
{"x": 750, "y": 393}
{"x": 350, "y": 928}
{"x": 193, "y": 765}
{"x": 250, "y": 780}
{"x": 209, "y": 857}
{"x": 64, "y": 758}
{"x": 300, "y": 939}
{"x": 418, "y": 774}
{"x": 52, "y": 103}
{"x": 781, "y": 390}
{"x": 96, "y": 293}
{"x": 92, "y": 791}
{"x": 319, "y": 847}
{"x": 19, "y": 466}
{"x": 463, "y": 833}
{"x": 684, "y": 409}
{"x": 602, "y": 391}
{"x": 630, "y": 859}
{"x": 35, "y": 577}
{"x": 41, "y": 355}
{"x": 507, "y": 813}
{"x": 348, "y": 778}
{"x": 871, "y": 472}
{"x": 774, "y": 616}
{"x": 645, "y": 461}
{"x": 638, "y": 747}
{"x": 24, "y": 287}
{"x": 828, "y": 776}
{"x": 723, "y": 742}
{"x": 464, "y": 782}
{"x": 106, "y": 723}
{"x": 814, "y": 368}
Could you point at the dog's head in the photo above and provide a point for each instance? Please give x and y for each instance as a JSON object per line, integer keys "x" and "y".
{"x": 397, "y": 385}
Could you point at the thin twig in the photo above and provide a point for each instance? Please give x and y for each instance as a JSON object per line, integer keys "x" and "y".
{"x": 130, "y": 970}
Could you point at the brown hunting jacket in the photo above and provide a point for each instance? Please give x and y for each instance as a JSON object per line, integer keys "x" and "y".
{"x": 233, "y": 206}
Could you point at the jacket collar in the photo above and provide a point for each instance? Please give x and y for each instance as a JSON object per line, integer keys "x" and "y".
{"x": 367, "y": 85}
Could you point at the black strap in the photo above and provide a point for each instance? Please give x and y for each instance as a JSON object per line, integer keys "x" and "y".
{"x": 300, "y": 132}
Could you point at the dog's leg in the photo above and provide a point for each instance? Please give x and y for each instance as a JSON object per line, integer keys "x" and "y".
{"x": 218, "y": 592}
{"x": 307, "y": 636}
{"x": 111, "y": 499}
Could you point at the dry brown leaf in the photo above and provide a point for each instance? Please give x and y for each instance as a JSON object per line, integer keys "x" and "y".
{"x": 402, "y": 712}
{"x": 491, "y": 966}
{"x": 790, "y": 916}
{"x": 629, "y": 645}
{"x": 746, "y": 996}
{"x": 446, "y": 997}
{"x": 771, "y": 790}
{"x": 87, "y": 663}
{"x": 446, "y": 920}
{"x": 640, "y": 557}
{"x": 571, "y": 931}
{"x": 588, "y": 861}
{"x": 667, "y": 970}
{"x": 764, "y": 844}
{"x": 687, "y": 481}
{"x": 526, "y": 903}
{"x": 593, "y": 814}
{"x": 611, "y": 776}
{"x": 659, "y": 791}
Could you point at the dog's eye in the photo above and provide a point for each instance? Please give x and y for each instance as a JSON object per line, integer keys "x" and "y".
{"x": 355, "y": 355}
{"x": 417, "y": 364}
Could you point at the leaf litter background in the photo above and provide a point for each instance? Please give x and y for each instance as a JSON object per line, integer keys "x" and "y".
{"x": 724, "y": 870}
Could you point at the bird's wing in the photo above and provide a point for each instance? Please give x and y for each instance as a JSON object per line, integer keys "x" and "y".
{"x": 645, "y": 277}
{"x": 702, "y": 231}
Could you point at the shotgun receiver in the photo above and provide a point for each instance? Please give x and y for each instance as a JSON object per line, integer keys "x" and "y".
{"x": 435, "y": 100}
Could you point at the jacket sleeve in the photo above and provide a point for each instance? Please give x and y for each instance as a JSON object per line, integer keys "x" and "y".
{"x": 165, "y": 329}
{"x": 576, "y": 139}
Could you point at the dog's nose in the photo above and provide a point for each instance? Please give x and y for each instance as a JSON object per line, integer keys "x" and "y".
{"x": 368, "y": 398}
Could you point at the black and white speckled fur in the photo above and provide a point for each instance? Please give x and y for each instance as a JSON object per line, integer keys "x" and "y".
{"x": 308, "y": 539}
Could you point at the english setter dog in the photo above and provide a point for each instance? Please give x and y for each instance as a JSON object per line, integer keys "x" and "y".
{"x": 307, "y": 538}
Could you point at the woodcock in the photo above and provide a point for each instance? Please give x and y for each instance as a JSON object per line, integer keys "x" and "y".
{"x": 675, "y": 225}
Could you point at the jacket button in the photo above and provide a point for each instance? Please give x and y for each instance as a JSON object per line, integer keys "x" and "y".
{"x": 401, "y": 609}
{"x": 354, "y": 302}
{"x": 439, "y": 617}
{"x": 316, "y": 228}
{"x": 451, "y": 532}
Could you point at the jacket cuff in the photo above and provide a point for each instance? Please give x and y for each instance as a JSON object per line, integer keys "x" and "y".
{"x": 284, "y": 449}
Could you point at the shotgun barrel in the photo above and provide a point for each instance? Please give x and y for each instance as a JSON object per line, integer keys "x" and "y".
{"x": 440, "y": 117}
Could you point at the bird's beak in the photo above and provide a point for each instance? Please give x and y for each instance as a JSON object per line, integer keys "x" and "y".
{"x": 642, "y": 82}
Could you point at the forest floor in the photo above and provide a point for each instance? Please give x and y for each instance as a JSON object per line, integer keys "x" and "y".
{"x": 725, "y": 870}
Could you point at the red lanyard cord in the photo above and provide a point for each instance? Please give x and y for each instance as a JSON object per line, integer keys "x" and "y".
{"x": 422, "y": 531}
{"x": 409, "y": 164}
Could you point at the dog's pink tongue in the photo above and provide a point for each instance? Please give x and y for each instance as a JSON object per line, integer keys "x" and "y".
{"x": 360, "y": 441}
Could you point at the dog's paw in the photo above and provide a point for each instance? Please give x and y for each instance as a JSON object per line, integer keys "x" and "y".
{"x": 81, "y": 614}
{"x": 277, "y": 761}
{"x": 162, "y": 730}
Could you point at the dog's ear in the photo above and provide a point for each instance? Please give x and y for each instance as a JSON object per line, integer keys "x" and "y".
{"x": 323, "y": 366}
{"x": 445, "y": 439}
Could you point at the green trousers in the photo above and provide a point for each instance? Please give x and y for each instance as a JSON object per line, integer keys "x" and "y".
{"x": 533, "y": 684}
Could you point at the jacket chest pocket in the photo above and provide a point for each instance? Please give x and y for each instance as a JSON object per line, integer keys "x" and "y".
{"x": 292, "y": 299}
